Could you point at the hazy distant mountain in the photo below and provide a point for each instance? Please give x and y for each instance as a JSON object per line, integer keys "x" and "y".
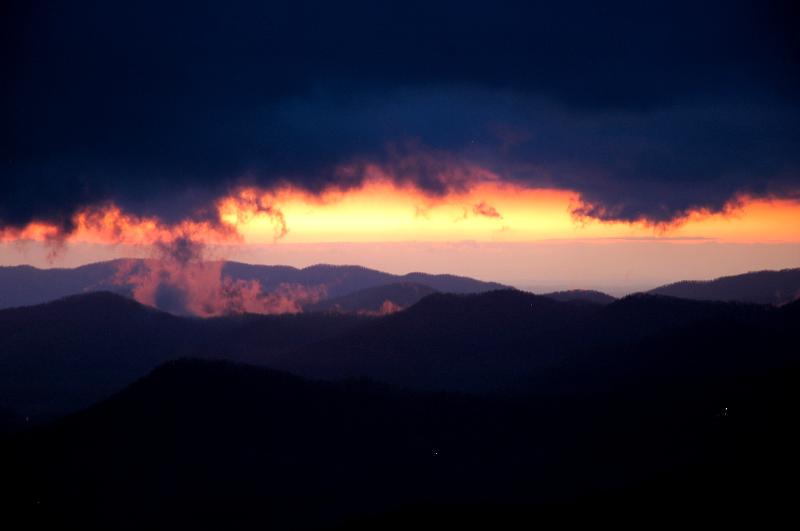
{"x": 25, "y": 285}
{"x": 597, "y": 297}
{"x": 760, "y": 287}
{"x": 345, "y": 279}
{"x": 379, "y": 300}
{"x": 215, "y": 445}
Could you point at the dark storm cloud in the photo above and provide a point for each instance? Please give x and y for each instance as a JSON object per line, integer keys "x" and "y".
{"x": 648, "y": 109}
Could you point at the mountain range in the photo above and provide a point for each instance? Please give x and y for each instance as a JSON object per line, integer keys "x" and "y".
{"x": 759, "y": 287}
{"x": 65, "y": 355}
{"x": 26, "y": 285}
{"x": 475, "y": 410}
{"x": 342, "y": 289}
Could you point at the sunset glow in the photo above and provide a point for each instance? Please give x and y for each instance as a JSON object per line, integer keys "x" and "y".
{"x": 381, "y": 211}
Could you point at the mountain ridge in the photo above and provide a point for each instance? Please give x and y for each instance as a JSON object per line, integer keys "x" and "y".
{"x": 27, "y": 285}
{"x": 213, "y": 443}
{"x": 762, "y": 287}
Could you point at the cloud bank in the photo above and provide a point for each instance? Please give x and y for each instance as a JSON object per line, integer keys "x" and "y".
{"x": 647, "y": 110}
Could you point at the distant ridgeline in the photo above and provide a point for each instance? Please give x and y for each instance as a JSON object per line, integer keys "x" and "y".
{"x": 761, "y": 287}
{"x": 218, "y": 288}
{"x": 208, "y": 289}
{"x": 477, "y": 410}
{"x": 649, "y": 405}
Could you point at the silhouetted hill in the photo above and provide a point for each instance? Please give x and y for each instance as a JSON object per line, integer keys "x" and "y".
{"x": 10, "y": 422}
{"x": 792, "y": 309}
{"x": 216, "y": 445}
{"x": 512, "y": 341}
{"x": 25, "y": 285}
{"x": 379, "y": 300}
{"x": 446, "y": 341}
{"x": 451, "y": 283}
{"x": 652, "y": 337}
{"x": 69, "y": 353}
{"x": 345, "y": 279}
{"x": 597, "y": 297}
{"x": 66, "y": 354}
{"x": 761, "y": 287}
{"x": 338, "y": 280}
{"x": 74, "y": 351}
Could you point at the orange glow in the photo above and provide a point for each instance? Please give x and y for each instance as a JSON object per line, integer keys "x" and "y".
{"x": 108, "y": 224}
{"x": 382, "y": 211}
{"x": 751, "y": 221}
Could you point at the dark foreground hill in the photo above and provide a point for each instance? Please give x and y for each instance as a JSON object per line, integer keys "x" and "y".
{"x": 67, "y": 354}
{"x": 760, "y": 287}
{"x": 597, "y": 297}
{"x": 61, "y": 356}
{"x": 514, "y": 342}
{"x": 215, "y": 445}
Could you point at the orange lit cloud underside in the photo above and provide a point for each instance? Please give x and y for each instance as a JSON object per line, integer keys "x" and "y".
{"x": 381, "y": 211}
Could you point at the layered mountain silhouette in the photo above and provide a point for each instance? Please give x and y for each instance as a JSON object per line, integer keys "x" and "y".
{"x": 26, "y": 285}
{"x": 380, "y": 300}
{"x": 453, "y": 409}
{"x": 349, "y": 289}
{"x": 760, "y": 287}
{"x": 64, "y": 355}
{"x": 581, "y": 295}
{"x": 342, "y": 280}
{"x": 210, "y": 444}
{"x": 511, "y": 341}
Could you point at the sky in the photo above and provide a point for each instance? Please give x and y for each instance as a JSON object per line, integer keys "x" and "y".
{"x": 614, "y": 145}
